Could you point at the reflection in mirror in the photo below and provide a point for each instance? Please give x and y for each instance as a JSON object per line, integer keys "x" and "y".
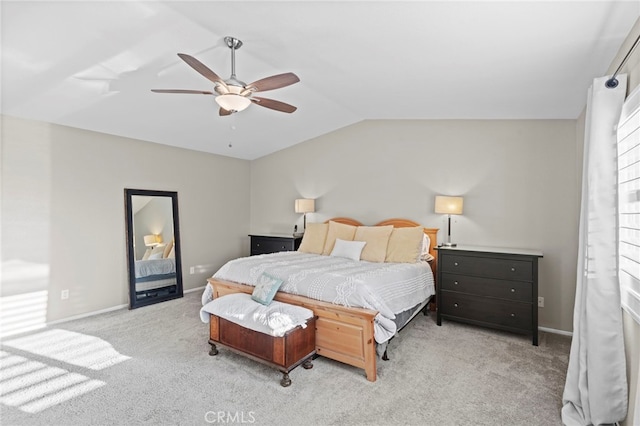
{"x": 153, "y": 246}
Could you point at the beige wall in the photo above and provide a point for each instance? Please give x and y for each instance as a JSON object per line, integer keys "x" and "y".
{"x": 517, "y": 178}
{"x": 631, "y": 328}
{"x": 63, "y": 211}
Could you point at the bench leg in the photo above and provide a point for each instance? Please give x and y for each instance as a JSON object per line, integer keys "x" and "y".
{"x": 385, "y": 357}
{"x": 214, "y": 350}
{"x": 286, "y": 381}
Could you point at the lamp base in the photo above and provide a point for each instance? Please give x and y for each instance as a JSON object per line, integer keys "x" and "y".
{"x": 449, "y": 244}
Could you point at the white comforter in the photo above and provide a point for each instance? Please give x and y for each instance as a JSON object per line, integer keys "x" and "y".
{"x": 388, "y": 288}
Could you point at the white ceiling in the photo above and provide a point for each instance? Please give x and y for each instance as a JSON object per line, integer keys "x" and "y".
{"x": 91, "y": 64}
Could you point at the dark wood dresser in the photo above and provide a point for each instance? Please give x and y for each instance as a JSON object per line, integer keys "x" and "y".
{"x": 489, "y": 286}
{"x": 263, "y": 244}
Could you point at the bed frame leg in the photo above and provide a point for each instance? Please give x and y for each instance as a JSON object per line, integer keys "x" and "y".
{"x": 286, "y": 381}
{"x": 214, "y": 350}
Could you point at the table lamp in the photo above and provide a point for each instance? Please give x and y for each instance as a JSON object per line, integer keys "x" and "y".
{"x": 448, "y": 205}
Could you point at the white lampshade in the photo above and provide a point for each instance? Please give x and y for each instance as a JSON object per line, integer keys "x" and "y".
{"x": 152, "y": 240}
{"x": 232, "y": 102}
{"x": 305, "y": 205}
{"x": 448, "y": 205}
{"x": 149, "y": 240}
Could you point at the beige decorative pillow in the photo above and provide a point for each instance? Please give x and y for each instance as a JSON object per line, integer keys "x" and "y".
{"x": 314, "y": 238}
{"x": 405, "y": 245}
{"x": 377, "y": 239}
{"x": 337, "y": 230}
{"x": 167, "y": 249}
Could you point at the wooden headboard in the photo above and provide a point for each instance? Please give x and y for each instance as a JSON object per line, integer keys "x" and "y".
{"x": 345, "y": 220}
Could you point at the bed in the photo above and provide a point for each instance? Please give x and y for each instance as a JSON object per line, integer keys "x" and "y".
{"x": 351, "y": 331}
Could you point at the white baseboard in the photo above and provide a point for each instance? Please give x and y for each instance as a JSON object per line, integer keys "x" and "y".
{"x": 555, "y": 331}
{"x": 88, "y": 314}
{"x": 103, "y": 311}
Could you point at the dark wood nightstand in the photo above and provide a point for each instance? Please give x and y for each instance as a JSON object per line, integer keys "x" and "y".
{"x": 489, "y": 286}
{"x": 263, "y": 244}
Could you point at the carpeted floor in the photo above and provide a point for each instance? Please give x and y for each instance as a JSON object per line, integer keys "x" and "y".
{"x": 151, "y": 366}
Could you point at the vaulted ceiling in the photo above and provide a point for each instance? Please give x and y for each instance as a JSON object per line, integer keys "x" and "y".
{"x": 91, "y": 64}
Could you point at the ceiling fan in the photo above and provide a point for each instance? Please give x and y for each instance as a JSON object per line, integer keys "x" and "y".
{"x": 234, "y": 95}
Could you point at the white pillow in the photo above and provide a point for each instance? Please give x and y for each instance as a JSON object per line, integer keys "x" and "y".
{"x": 349, "y": 249}
{"x": 155, "y": 256}
{"x": 426, "y": 242}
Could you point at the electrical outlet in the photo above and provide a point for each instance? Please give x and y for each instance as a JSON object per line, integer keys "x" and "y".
{"x": 192, "y": 270}
{"x": 64, "y": 294}
{"x": 540, "y": 302}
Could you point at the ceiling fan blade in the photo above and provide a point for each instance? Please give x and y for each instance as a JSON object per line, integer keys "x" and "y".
{"x": 273, "y": 104}
{"x": 274, "y": 82}
{"x": 224, "y": 112}
{"x": 200, "y": 67}
{"x": 192, "y": 92}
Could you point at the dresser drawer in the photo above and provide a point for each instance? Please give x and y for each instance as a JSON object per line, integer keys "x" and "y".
{"x": 502, "y": 289}
{"x": 270, "y": 244}
{"x": 512, "y": 315}
{"x": 507, "y": 269}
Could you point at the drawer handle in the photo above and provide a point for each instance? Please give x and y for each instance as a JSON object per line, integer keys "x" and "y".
{"x": 513, "y": 290}
{"x": 283, "y": 247}
{"x": 455, "y": 283}
{"x": 455, "y": 305}
{"x": 258, "y": 245}
{"x": 513, "y": 269}
{"x": 513, "y": 315}
{"x": 455, "y": 263}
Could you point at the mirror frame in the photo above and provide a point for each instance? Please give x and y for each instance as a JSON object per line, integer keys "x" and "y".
{"x": 128, "y": 193}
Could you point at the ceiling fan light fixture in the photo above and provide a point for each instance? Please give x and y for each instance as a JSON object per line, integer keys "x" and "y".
{"x": 232, "y": 102}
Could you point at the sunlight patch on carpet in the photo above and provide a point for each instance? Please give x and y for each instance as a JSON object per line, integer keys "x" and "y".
{"x": 70, "y": 347}
{"x": 32, "y": 386}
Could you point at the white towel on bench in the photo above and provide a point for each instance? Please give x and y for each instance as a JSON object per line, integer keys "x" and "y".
{"x": 275, "y": 319}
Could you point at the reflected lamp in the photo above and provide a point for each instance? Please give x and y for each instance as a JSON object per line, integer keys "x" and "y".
{"x": 152, "y": 240}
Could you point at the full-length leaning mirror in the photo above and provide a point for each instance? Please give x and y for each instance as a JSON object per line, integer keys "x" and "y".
{"x": 153, "y": 246}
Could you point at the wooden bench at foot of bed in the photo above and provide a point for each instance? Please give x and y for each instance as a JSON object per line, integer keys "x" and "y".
{"x": 342, "y": 333}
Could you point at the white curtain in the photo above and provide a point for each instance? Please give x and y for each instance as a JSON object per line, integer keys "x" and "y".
{"x": 595, "y": 391}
